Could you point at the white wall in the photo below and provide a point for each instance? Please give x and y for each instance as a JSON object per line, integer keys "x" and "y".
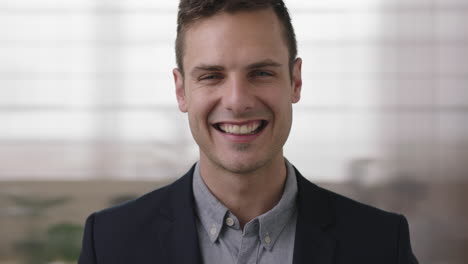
{"x": 86, "y": 90}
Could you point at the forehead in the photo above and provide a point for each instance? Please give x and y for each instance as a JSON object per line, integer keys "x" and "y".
{"x": 235, "y": 39}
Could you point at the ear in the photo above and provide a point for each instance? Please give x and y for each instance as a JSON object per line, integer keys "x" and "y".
{"x": 180, "y": 91}
{"x": 296, "y": 81}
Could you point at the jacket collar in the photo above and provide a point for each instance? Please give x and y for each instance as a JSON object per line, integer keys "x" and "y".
{"x": 312, "y": 243}
{"x": 178, "y": 234}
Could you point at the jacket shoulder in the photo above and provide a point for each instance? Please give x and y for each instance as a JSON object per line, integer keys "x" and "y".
{"x": 135, "y": 228}
{"x": 353, "y": 210}
{"x": 148, "y": 205}
{"x": 142, "y": 205}
{"x": 382, "y": 233}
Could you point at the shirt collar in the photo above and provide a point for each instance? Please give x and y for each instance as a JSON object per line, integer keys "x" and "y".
{"x": 275, "y": 220}
{"x": 212, "y": 213}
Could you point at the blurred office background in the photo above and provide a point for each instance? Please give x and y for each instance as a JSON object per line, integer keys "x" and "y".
{"x": 88, "y": 115}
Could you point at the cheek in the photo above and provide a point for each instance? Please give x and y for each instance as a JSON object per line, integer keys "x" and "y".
{"x": 280, "y": 104}
{"x": 278, "y": 98}
{"x": 200, "y": 105}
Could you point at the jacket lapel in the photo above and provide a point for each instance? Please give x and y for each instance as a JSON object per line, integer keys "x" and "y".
{"x": 178, "y": 231}
{"x": 312, "y": 243}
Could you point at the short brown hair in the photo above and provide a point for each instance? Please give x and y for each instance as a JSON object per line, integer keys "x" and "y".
{"x": 193, "y": 10}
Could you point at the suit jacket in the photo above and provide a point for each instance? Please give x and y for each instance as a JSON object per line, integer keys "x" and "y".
{"x": 160, "y": 228}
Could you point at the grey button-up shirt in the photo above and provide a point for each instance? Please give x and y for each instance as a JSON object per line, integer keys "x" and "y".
{"x": 268, "y": 238}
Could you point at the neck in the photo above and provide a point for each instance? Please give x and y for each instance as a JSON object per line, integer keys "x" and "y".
{"x": 246, "y": 195}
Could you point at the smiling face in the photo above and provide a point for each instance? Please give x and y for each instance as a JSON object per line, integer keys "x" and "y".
{"x": 237, "y": 89}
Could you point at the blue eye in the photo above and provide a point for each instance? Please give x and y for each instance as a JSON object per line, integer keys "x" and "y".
{"x": 210, "y": 77}
{"x": 262, "y": 74}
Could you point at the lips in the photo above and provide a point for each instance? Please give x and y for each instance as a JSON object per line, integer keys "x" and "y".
{"x": 245, "y": 128}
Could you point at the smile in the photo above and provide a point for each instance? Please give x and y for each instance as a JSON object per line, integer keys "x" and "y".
{"x": 247, "y": 128}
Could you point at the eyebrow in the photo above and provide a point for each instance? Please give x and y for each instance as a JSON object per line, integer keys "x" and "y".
{"x": 204, "y": 67}
{"x": 256, "y": 65}
{"x": 264, "y": 63}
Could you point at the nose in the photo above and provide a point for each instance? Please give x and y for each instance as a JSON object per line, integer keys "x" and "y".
{"x": 238, "y": 96}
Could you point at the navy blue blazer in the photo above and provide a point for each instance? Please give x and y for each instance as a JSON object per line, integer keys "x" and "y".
{"x": 160, "y": 228}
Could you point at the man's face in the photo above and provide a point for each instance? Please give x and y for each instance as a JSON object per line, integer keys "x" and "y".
{"x": 237, "y": 89}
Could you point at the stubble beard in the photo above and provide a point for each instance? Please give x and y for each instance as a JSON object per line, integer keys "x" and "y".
{"x": 239, "y": 167}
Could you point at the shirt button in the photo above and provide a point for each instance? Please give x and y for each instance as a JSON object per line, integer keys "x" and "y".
{"x": 213, "y": 231}
{"x": 229, "y": 221}
{"x": 267, "y": 239}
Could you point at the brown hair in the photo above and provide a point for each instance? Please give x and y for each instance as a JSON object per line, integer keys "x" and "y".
{"x": 193, "y": 10}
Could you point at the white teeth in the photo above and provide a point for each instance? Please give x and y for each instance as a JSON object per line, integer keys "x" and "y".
{"x": 240, "y": 130}
{"x": 244, "y": 129}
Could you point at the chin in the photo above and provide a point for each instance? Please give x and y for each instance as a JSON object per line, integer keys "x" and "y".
{"x": 244, "y": 165}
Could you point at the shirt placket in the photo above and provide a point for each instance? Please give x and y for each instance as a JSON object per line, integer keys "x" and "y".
{"x": 248, "y": 251}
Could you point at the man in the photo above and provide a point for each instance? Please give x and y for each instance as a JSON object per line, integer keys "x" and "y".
{"x": 243, "y": 202}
